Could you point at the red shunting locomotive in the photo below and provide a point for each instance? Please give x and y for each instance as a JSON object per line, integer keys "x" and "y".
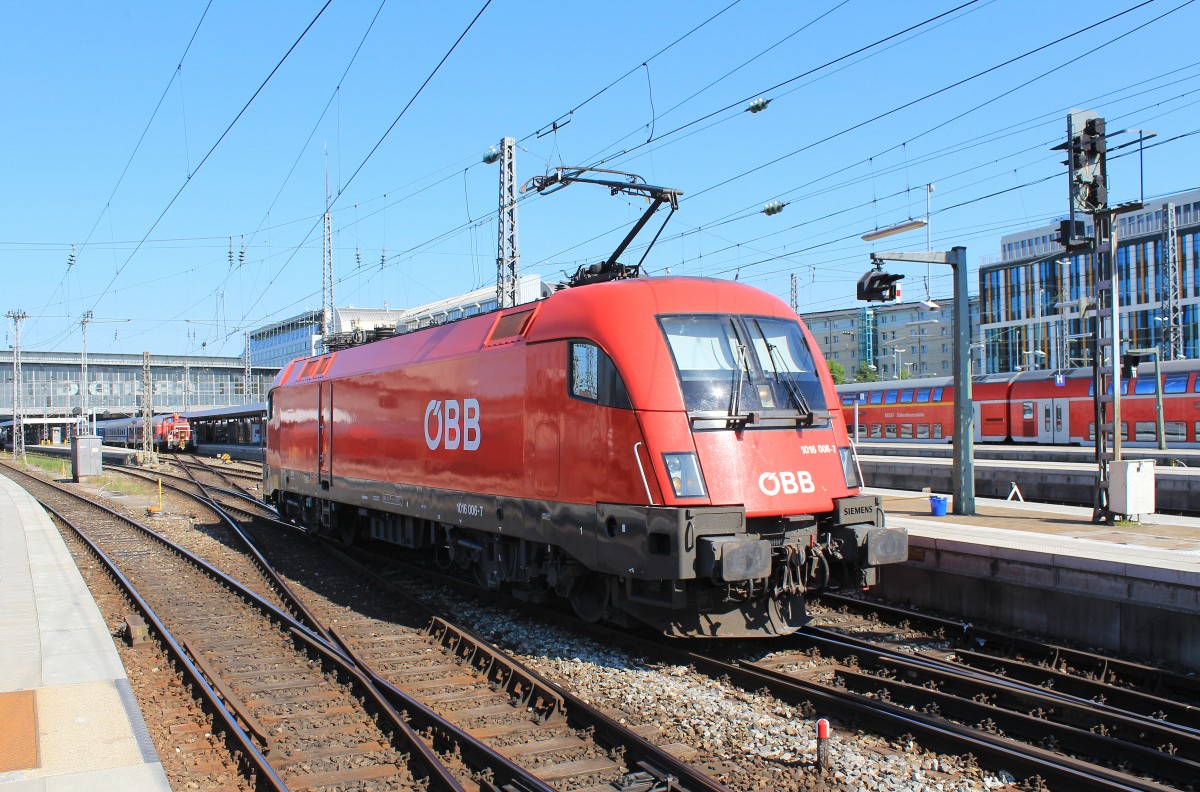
{"x": 666, "y": 451}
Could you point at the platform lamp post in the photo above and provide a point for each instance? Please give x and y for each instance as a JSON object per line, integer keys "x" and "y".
{"x": 962, "y": 476}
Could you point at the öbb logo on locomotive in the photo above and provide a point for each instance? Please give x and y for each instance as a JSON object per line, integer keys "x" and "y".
{"x": 787, "y": 482}
{"x": 449, "y": 433}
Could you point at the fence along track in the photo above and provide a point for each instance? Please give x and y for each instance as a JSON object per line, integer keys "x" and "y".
{"x": 299, "y": 700}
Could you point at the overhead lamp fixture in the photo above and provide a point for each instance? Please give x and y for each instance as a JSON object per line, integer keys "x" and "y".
{"x": 930, "y": 305}
{"x": 899, "y": 228}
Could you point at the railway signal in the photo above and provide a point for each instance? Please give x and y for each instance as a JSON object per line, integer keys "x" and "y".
{"x": 1087, "y": 149}
{"x": 878, "y": 286}
{"x": 962, "y": 482}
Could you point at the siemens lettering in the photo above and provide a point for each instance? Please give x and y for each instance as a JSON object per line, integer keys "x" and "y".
{"x": 444, "y": 428}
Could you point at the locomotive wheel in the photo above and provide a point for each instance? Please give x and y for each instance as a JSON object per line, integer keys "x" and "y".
{"x": 589, "y": 598}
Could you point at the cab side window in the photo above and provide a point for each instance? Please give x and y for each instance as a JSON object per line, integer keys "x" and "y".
{"x": 592, "y": 376}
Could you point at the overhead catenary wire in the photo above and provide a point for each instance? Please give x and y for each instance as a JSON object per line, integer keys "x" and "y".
{"x": 136, "y": 147}
{"x": 378, "y": 143}
{"x": 199, "y": 165}
{"x": 905, "y": 105}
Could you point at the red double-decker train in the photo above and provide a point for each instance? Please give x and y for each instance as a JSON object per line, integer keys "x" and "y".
{"x": 666, "y": 451}
{"x": 1029, "y": 407}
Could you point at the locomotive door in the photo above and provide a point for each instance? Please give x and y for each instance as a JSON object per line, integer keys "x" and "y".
{"x": 325, "y": 433}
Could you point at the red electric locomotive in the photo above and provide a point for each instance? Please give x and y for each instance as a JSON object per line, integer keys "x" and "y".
{"x": 1029, "y": 407}
{"x": 666, "y": 451}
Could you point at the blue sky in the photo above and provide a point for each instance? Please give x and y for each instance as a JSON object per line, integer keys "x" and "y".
{"x": 415, "y": 221}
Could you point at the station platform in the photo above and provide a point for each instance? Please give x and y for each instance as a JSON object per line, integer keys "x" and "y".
{"x": 1132, "y": 588}
{"x": 112, "y": 455}
{"x": 68, "y": 716}
{"x": 1038, "y": 477}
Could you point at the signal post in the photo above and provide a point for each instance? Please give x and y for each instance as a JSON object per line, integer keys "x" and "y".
{"x": 877, "y": 285}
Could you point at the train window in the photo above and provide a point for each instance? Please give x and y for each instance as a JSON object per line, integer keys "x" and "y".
{"x": 1027, "y": 411}
{"x": 585, "y": 371}
{"x": 1176, "y": 431}
{"x": 1143, "y": 385}
{"x": 595, "y": 378}
{"x": 889, "y": 430}
{"x": 906, "y": 397}
{"x": 889, "y": 397}
{"x": 922, "y": 431}
{"x": 877, "y": 430}
{"x": 1145, "y": 430}
{"x": 906, "y": 431}
{"x": 937, "y": 431}
{"x": 848, "y": 399}
{"x": 877, "y": 397}
{"x": 1175, "y": 383}
{"x": 937, "y": 394}
{"x": 766, "y": 360}
{"x": 1124, "y": 387}
{"x": 922, "y": 395}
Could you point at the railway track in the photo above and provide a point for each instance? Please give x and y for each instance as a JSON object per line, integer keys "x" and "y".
{"x": 1147, "y": 690}
{"x": 1068, "y": 741}
{"x": 302, "y": 715}
{"x": 435, "y": 670}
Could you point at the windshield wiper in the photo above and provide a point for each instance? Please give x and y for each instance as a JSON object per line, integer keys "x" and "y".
{"x": 735, "y": 397}
{"x": 794, "y": 393}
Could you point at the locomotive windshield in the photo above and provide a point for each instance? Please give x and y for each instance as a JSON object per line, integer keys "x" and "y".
{"x": 743, "y": 364}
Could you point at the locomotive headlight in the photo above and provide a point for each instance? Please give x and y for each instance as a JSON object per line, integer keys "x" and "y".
{"x": 850, "y": 467}
{"x": 686, "y": 478}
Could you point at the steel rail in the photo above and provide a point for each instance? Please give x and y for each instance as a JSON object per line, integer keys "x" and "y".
{"x": 895, "y": 721}
{"x": 265, "y": 776}
{"x": 1100, "y": 667}
{"x": 418, "y": 714}
{"x": 435, "y": 771}
{"x": 1033, "y": 680}
{"x": 638, "y": 750}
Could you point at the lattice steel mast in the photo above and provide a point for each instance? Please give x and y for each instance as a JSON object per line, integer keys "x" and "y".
{"x": 508, "y": 255}
{"x": 326, "y": 267}
{"x": 83, "y": 375}
{"x": 18, "y": 426}
{"x": 1172, "y": 310}
{"x": 147, "y": 455}
{"x": 247, "y": 374}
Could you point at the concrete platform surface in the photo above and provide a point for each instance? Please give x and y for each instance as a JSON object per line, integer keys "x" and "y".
{"x": 86, "y": 730}
{"x": 1132, "y": 588}
{"x": 1156, "y": 539}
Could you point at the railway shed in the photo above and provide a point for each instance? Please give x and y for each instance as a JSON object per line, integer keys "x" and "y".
{"x": 237, "y": 431}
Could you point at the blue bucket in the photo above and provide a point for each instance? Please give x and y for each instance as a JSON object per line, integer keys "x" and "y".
{"x": 937, "y": 506}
